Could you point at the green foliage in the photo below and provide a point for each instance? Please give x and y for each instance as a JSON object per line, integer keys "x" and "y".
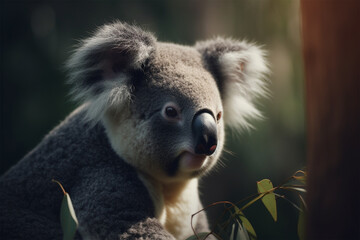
{"x": 238, "y": 232}
{"x": 69, "y": 222}
{"x": 237, "y": 227}
{"x": 265, "y": 186}
{"x": 246, "y": 223}
{"x": 301, "y": 225}
{"x": 232, "y": 229}
{"x": 68, "y": 219}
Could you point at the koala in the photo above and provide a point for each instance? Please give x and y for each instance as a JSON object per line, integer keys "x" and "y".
{"x": 149, "y": 124}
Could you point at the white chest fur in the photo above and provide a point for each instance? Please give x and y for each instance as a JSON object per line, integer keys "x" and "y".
{"x": 174, "y": 204}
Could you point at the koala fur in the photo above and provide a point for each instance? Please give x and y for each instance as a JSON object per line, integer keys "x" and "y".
{"x": 150, "y": 124}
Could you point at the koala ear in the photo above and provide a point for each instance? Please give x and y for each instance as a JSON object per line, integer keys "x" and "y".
{"x": 239, "y": 69}
{"x": 103, "y": 68}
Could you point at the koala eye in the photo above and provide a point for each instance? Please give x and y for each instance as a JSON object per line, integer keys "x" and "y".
{"x": 171, "y": 112}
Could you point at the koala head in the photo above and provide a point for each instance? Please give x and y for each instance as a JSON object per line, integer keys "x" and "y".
{"x": 164, "y": 106}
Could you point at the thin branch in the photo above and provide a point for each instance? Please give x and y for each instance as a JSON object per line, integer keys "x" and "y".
{"x": 303, "y": 201}
{"x": 59, "y": 185}
{"x": 294, "y": 205}
{"x": 211, "y": 205}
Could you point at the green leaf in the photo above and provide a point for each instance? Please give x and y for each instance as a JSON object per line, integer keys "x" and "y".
{"x": 238, "y": 232}
{"x": 248, "y": 226}
{"x": 246, "y": 223}
{"x": 299, "y": 189}
{"x": 268, "y": 199}
{"x": 300, "y": 178}
{"x": 69, "y": 222}
{"x": 301, "y": 225}
{"x": 232, "y": 234}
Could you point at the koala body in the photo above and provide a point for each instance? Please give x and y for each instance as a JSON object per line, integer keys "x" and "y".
{"x": 151, "y": 123}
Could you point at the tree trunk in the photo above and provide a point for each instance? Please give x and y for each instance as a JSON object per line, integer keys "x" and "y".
{"x": 331, "y": 41}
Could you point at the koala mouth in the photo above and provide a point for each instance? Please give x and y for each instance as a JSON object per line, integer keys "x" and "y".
{"x": 191, "y": 162}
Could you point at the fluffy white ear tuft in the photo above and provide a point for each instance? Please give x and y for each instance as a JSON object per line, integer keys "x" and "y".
{"x": 244, "y": 72}
{"x": 104, "y": 67}
{"x": 115, "y": 94}
{"x": 240, "y": 70}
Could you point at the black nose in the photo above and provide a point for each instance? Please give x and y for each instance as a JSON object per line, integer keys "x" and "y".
{"x": 205, "y": 133}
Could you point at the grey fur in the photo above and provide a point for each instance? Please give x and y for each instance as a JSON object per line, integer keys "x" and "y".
{"x": 118, "y": 156}
{"x": 212, "y": 50}
{"x": 107, "y": 195}
{"x": 93, "y": 67}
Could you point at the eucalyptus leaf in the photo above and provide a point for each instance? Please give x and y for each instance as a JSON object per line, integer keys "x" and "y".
{"x": 300, "y": 178}
{"x": 296, "y": 189}
{"x": 238, "y": 232}
{"x": 232, "y": 234}
{"x": 301, "y": 225}
{"x": 241, "y": 234}
{"x": 268, "y": 199}
{"x": 246, "y": 223}
{"x": 69, "y": 222}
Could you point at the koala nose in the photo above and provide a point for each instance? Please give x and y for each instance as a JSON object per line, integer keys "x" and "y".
{"x": 205, "y": 133}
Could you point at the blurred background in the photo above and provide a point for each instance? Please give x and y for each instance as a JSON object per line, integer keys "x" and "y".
{"x": 37, "y": 37}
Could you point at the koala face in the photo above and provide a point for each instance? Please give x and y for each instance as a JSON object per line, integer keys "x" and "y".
{"x": 164, "y": 105}
{"x": 173, "y": 129}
